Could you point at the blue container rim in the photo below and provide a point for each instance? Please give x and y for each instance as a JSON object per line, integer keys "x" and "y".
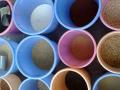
{"x": 35, "y": 33}
{"x": 13, "y": 58}
{"x": 54, "y": 52}
{"x": 102, "y": 77}
{"x": 32, "y": 79}
{"x": 84, "y": 27}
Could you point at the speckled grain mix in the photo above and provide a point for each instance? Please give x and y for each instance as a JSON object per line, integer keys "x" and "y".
{"x": 111, "y": 13}
{"x": 110, "y": 51}
{"x": 42, "y": 86}
{"x": 4, "y": 85}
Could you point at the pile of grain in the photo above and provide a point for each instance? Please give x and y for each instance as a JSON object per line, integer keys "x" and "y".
{"x": 110, "y": 51}
{"x": 42, "y": 55}
{"x": 111, "y": 13}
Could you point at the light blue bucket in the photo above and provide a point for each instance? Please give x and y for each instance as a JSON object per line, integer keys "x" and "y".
{"x": 8, "y": 48}
{"x": 22, "y": 12}
{"x": 32, "y": 84}
{"x": 25, "y": 61}
{"x": 62, "y": 8}
{"x": 107, "y": 82}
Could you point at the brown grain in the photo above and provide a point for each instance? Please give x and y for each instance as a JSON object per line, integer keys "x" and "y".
{"x": 110, "y": 51}
{"x": 111, "y": 13}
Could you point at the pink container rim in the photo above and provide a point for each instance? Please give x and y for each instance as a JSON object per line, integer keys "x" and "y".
{"x": 11, "y": 23}
{"x": 94, "y": 53}
{"x": 102, "y": 19}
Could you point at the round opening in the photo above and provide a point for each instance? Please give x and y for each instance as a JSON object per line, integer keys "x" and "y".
{"x": 76, "y": 48}
{"x": 4, "y": 85}
{"x": 6, "y": 57}
{"x": 34, "y": 85}
{"x": 68, "y": 80}
{"x": 109, "y": 52}
{"x": 78, "y": 83}
{"x": 109, "y": 83}
{"x": 77, "y": 13}
{"x": 79, "y": 9}
{"x": 38, "y": 17}
{"x": 5, "y": 15}
{"x": 37, "y": 55}
{"x": 110, "y": 13}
